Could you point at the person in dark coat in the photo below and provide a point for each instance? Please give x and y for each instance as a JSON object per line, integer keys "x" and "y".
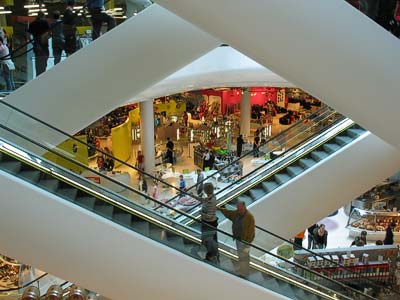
{"x": 389, "y": 234}
{"x": 239, "y": 145}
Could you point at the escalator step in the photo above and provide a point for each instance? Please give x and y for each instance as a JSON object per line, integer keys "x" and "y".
{"x": 68, "y": 193}
{"x": 176, "y": 242}
{"x": 286, "y": 289}
{"x": 300, "y": 294}
{"x": 343, "y": 140}
{"x": 49, "y": 184}
{"x": 269, "y": 185}
{"x": 271, "y": 283}
{"x": 319, "y": 155}
{"x": 312, "y": 296}
{"x": 294, "y": 170}
{"x": 246, "y": 199}
{"x": 87, "y": 202}
{"x": 157, "y": 233}
{"x": 32, "y": 176}
{"x": 104, "y": 209}
{"x": 256, "y": 277}
{"x": 11, "y": 166}
{"x": 141, "y": 227}
{"x": 256, "y": 194}
{"x": 331, "y": 148}
{"x": 355, "y": 133}
{"x": 306, "y": 162}
{"x": 122, "y": 217}
{"x": 282, "y": 178}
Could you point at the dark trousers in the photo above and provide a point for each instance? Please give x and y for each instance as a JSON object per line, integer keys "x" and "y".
{"x": 57, "y": 54}
{"x": 98, "y": 18}
{"x": 8, "y": 78}
{"x": 239, "y": 151}
{"x": 41, "y": 57}
{"x": 209, "y": 239}
{"x": 70, "y": 43}
{"x": 298, "y": 243}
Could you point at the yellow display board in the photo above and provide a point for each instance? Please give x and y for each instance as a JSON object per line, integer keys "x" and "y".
{"x": 170, "y": 108}
{"x": 134, "y": 116}
{"x": 73, "y": 150}
{"x": 83, "y": 29}
{"x": 121, "y": 138}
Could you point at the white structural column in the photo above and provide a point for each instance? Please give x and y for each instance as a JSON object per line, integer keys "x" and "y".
{"x": 147, "y": 134}
{"x": 109, "y": 72}
{"x": 245, "y": 113}
{"x": 328, "y": 48}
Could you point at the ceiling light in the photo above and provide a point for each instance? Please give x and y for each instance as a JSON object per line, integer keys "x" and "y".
{"x": 78, "y": 7}
{"x": 3, "y": 12}
{"x": 31, "y": 6}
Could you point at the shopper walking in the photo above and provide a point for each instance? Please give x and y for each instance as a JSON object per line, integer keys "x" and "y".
{"x": 7, "y": 66}
{"x": 239, "y": 145}
{"x": 98, "y": 16}
{"x": 256, "y": 144}
{"x": 170, "y": 151}
{"x": 320, "y": 237}
{"x": 310, "y": 236}
{"x": 298, "y": 240}
{"x": 140, "y": 161}
{"x": 69, "y": 27}
{"x": 39, "y": 29}
{"x": 243, "y": 230}
{"x": 57, "y": 37}
{"x": 199, "y": 182}
{"x": 155, "y": 194}
{"x": 389, "y": 234}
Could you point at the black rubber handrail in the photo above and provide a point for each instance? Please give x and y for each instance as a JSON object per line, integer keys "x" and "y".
{"x": 26, "y": 284}
{"x": 92, "y": 147}
{"x": 278, "y": 156}
{"x": 169, "y": 207}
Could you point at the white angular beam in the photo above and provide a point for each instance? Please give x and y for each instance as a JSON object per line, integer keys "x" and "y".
{"x": 327, "y": 48}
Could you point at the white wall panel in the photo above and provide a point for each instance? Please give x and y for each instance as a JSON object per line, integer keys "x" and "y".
{"x": 327, "y": 48}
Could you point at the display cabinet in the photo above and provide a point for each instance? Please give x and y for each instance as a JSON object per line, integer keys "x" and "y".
{"x": 374, "y": 222}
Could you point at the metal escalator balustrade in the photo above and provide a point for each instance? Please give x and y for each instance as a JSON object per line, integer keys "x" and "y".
{"x": 293, "y": 135}
{"x": 284, "y": 276}
{"x": 285, "y": 140}
{"x": 290, "y": 164}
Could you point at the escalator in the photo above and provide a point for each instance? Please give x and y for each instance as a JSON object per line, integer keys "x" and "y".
{"x": 258, "y": 184}
{"x": 84, "y": 202}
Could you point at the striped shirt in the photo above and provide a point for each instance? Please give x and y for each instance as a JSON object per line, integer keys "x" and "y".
{"x": 209, "y": 209}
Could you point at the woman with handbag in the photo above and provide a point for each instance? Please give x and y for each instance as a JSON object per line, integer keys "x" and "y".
{"x": 7, "y": 66}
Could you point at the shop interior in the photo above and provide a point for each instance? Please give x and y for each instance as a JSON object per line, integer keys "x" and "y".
{"x": 209, "y": 120}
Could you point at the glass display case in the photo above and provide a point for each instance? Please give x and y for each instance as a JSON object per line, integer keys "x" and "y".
{"x": 374, "y": 222}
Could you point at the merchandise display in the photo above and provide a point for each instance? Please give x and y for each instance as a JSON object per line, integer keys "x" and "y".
{"x": 9, "y": 273}
{"x": 382, "y": 197}
{"x": 355, "y": 264}
{"x": 374, "y": 222}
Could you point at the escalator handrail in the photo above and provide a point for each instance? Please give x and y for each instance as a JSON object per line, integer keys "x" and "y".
{"x": 245, "y": 154}
{"x": 132, "y": 210}
{"x": 25, "y": 285}
{"x": 272, "y": 161}
{"x": 92, "y": 147}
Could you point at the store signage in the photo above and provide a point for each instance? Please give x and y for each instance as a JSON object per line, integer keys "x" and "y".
{"x": 280, "y": 98}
